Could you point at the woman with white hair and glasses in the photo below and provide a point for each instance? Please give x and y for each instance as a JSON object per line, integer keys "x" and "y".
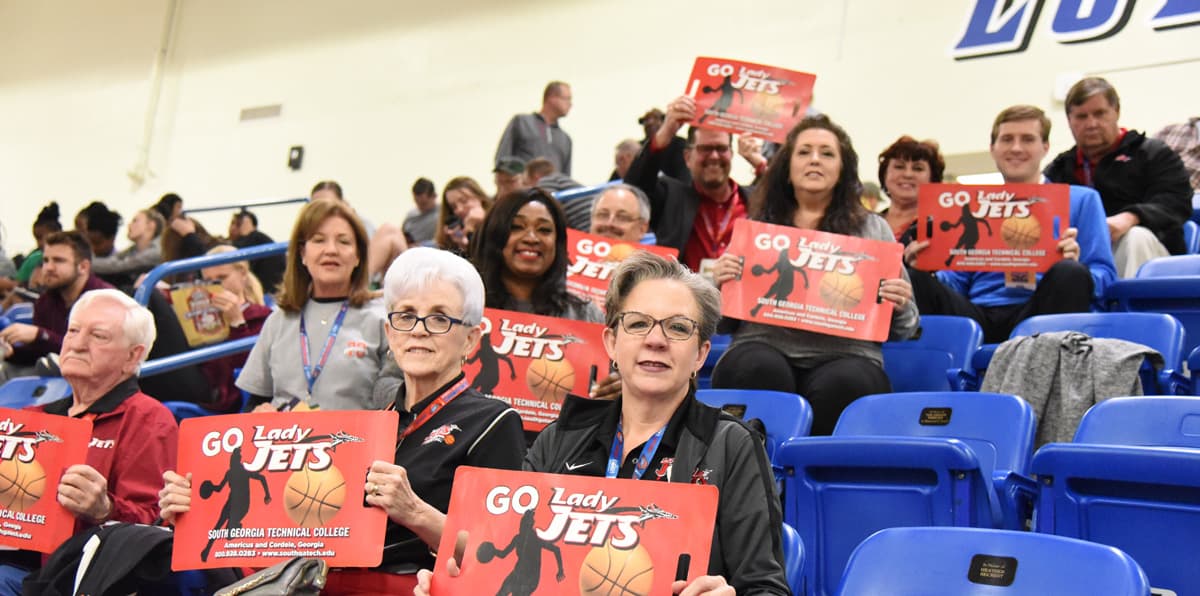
{"x": 435, "y": 303}
{"x": 660, "y": 317}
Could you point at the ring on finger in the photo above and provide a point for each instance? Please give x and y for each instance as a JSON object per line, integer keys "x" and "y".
{"x": 372, "y": 488}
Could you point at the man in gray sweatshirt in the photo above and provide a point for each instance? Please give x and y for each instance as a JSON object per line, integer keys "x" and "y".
{"x": 529, "y": 136}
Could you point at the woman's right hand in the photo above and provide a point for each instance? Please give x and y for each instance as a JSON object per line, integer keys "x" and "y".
{"x": 230, "y": 306}
{"x": 913, "y": 249}
{"x": 175, "y": 496}
{"x": 425, "y": 577}
{"x": 727, "y": 268}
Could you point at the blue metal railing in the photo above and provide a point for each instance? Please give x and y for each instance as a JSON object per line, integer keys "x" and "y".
{"x": 262, "y": 251}
{"x": 566, "y": 196}
{"x": 247, "y": 205}
{"x": 211, "y": 352}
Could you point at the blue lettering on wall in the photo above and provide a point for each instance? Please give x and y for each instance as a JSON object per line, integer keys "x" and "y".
{"x": 1089, "y": 20}
{"x": 996, "y": 27}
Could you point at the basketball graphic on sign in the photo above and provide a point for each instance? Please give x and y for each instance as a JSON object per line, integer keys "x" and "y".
{"x": 313, "y": 498}
{"x": 21, "y": 484}
{"x": 620, "y": 252}
{"x": 1021, "y": 232}
{"x": 550, "y": 380}
{"x": 842, "y": 291}
{"x": 610, "y": 570}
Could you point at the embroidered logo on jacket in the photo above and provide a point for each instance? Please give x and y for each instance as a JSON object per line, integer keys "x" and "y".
{"x": 442, "y": 434}
{"x": 356, "y": 348}
{"x": 101, "y": 444}
{"x": 664, "y": 468}
{"x": 701, "y": 477}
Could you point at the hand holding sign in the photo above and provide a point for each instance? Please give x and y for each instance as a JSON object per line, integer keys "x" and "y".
{"x": 84, "y": 492}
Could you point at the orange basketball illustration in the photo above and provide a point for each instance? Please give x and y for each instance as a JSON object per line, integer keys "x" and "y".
{"x": 1021, "y": 232}
{"x": 842, "y": 291}
{"x": 311, "y": 498}
{"x": 620, "y": 252}
{"x": 21, "y": 484}
{"x": 550, "y": 380}
{"x": 608, "y": 570}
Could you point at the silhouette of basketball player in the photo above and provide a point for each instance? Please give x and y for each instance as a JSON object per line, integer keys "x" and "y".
{"x": 727, "y": 90}
{"x": 527, "y": 572}
{"x": 238, "y": 504}
{"x": 970, "y": 233}
{"x": 784, "y": 283}
{"x": 489, "y": 366}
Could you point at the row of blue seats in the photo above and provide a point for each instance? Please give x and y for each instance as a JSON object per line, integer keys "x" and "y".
{"x": 1130, "y": 479}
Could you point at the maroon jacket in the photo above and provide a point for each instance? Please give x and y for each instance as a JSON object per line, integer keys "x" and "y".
{"x": 134, "y": 439}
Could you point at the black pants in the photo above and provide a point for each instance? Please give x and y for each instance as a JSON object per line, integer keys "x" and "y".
{"x": 1066, "y": 287}
{"x": 828, "y": 387}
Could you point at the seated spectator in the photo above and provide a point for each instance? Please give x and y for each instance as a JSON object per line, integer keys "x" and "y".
{"x": 871, "y": 198}
{"x": 1184, "y": 139}
{"x": 125, "y": 266}
{"x": 625, "y": 152}
{"x": 324, "y": 306}
{"x": 28, "y": 273}
{"x": 621, "y": 212}
{"x": 903, "y": 167}
{"x": 540, "y": 173}
{"x": 813, "y": 184}
{"x": 185, "y": 238}
{"x": 67, "y": 274}
{"x": 660, "y": 320}
{"x": 1141, "y": 181}
{"x": 241, "y": 305}
{"x": 436, "y": 304}
{"x": 328, "y": 189}
{"x": 102, "y": 226}
{"x": 169, "y": 206}
{"x": 464, "y": 205}
{"x": 673, "y": 162}
{"x": 521, "y": 253}
{"x": 509, "y": 176}
{"x": 694, "y": 218}
{"x": 134, "y": 437}
{"x": 421, "y": 223}
{"x": 1020, "y": 140}
{"x": 269, "y": 270}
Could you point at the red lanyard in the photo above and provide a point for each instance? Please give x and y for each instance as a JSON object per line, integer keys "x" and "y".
{"x": 718, "y": 234}
{"x": 442, "y": 401}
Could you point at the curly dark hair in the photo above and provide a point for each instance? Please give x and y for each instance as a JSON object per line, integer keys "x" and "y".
{"x": 774, "y": 199}
{"x": 909, "y": 149}
{"x": 550, "y": 296}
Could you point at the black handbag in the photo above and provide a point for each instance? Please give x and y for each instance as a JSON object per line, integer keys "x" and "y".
{"x": 299, "y": 576}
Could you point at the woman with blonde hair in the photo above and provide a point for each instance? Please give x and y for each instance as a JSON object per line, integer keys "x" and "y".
{"x": 240, "y": 301}
{"x": 325, "y": 345}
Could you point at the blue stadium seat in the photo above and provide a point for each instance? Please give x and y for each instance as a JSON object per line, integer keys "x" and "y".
{"x": 1144, "y": 421}
{"x": 720, "y": 343}
{"x": 1191, "y": 237}
{"x": 785, "y": 415}
{"x": 998, "y": 427}
{"x": 1158, "y": 331}
{"x": 970, "y": 561}
{"x": 1130, "y": 479}
{"x": 935, "y": 361}
{"x": 649, "y": 238}
{"x": 21, "y": 312}
{"x": 793, "y": 558}
{"x": 22, "y": 392}
{"x": 1174, "y": 266}
{"x": 1193, "y": 362}
{"x": 840, "y": 489}
{"x": 1168, "y": 285}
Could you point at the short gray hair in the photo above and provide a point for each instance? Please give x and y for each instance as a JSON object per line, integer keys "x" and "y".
{"x": 417, "y": 268}
{"x": 138, "y": 326}
{"x": 642, "y": 200}
{"x": 645, "y": 266}
{"x": 629, "y": 146}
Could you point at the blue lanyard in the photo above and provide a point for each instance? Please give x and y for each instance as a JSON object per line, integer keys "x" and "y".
{"x": 643, "y": 462}
{"x": 312, "y": 372}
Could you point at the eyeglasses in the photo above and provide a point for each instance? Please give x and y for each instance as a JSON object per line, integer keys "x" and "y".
{"x": 676, "y": 328}
{"x": 706, "y": 149}
{"x": 435, "y": 324}
{"x": 620, "y": 217}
